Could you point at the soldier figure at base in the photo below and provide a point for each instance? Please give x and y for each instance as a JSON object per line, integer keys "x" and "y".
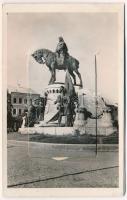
{"x": 65, "y": 106}
{"x": 31, "y": 117}
{"x": 60, "y": 104}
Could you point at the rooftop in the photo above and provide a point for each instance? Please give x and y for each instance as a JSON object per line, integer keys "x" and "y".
{"x": 21, "y": 89}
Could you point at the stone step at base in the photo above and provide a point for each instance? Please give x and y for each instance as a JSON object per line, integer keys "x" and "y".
{"x": 66, "y": 130}
{"x": 47, "y": 130}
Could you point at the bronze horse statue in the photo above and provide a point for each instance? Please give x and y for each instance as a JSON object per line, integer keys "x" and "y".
{"x": 45, "y": 56}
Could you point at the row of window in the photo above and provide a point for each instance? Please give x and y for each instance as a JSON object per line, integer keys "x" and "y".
{"x": 18, "y": 111}
{"x": 20, "y": 100}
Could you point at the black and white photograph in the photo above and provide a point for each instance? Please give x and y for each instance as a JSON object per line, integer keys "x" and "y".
{"x": 64, "y": 98}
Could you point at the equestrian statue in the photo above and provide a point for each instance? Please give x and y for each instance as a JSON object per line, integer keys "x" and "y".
{"x": 60, "y": 59}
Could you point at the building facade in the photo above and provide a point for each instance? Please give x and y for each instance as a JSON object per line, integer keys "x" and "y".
{"x": 20, "y": 99}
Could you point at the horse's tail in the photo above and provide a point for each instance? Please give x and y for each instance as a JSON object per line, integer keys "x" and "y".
{"x": 77, "y": 63}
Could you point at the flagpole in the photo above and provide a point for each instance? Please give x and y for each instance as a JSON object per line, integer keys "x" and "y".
{"x": 96, "y": 98}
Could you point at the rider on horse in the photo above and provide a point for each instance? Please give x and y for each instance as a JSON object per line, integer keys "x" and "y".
{"x": 62, "y": 50}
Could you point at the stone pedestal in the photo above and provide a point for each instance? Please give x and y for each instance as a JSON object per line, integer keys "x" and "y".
{"x": 51, "y": 110}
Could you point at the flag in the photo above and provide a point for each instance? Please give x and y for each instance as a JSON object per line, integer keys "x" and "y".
{"x": 69, "y": 85}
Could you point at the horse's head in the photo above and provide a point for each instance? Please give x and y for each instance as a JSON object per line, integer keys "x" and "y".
{"x": 38, "y": 56}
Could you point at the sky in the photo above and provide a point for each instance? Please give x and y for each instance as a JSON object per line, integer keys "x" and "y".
{"x": 85, "y": 34}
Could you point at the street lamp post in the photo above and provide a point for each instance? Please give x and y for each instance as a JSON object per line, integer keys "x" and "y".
{"x": 96, "y": 98}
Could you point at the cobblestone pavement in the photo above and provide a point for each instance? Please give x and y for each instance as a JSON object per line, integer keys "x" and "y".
{"x": 31, "y": 164}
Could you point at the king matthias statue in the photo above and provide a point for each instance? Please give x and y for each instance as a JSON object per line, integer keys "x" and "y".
{"x": 61, "y": 51}
{"x": 60, "y": 59}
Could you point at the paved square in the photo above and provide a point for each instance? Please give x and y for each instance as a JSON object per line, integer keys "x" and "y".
{"x": 31, "y": 164}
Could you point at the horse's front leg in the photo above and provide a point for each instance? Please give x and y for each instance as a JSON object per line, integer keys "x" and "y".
{"x": 54, "y": 76}
{"x": 53, "y": 72}
{"x": 50, "y": 81}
